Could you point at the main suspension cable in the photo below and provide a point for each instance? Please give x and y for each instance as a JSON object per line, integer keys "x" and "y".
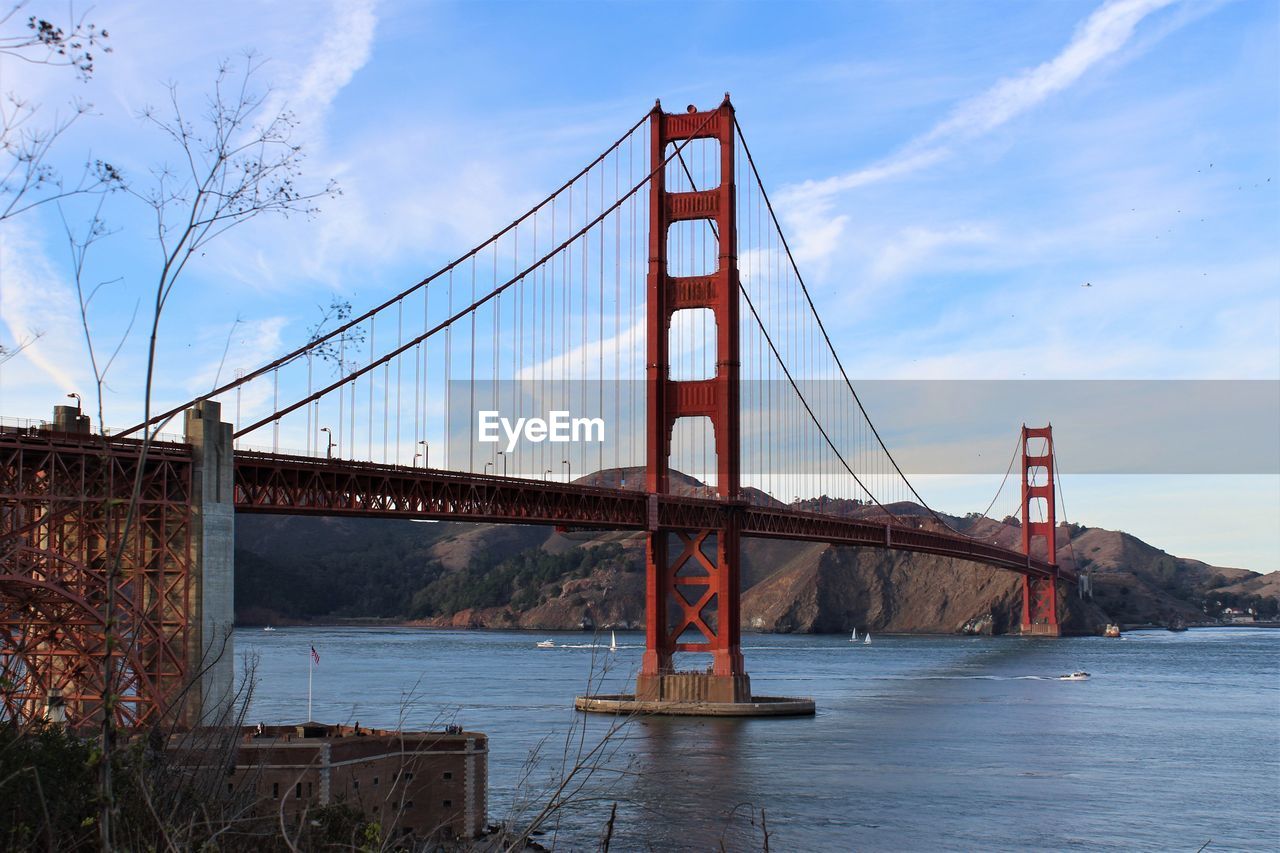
{"x": 310, "y": 345}
{"x": 478, "y": 302}
{"x": 822, "y": 327}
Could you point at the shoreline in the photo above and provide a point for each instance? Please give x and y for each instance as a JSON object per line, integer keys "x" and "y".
{"x": 374, "y": 622}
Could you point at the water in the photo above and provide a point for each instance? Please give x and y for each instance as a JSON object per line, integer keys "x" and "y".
{"x": 919, "y": 743}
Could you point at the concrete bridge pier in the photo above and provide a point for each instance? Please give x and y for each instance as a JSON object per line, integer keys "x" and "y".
{"x": 211, "y": 654}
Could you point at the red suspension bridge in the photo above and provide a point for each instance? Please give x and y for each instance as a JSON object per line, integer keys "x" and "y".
{"x": 654, "y": 292}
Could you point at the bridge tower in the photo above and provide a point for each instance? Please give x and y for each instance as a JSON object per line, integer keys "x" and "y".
{"x": 1039, "y": 594}
{"x": 692, "y": 576}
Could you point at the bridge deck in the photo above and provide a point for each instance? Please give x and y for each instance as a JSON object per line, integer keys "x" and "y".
{"x": 300, "y": 485}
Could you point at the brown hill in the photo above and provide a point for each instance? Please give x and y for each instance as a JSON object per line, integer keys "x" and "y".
{"x": 445, "y": 574}
{"x": 1267, "y": 586}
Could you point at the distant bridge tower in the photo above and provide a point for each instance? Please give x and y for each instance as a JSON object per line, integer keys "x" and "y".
{"x": 692, "y": 589}
{"x": 1039, "y": 594}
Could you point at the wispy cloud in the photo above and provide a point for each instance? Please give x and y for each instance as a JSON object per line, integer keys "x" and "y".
{"x": 1100, "y": 36}
{"x": 346, "y": 47}
{"x": 915, "y": 245}
{"x": 34, "y": 301}
{"x": 808, "y": 208}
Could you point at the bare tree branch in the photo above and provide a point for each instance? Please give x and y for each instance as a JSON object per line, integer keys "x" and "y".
{"x": 27, "y": 177}
{"x": 240, "y": 165}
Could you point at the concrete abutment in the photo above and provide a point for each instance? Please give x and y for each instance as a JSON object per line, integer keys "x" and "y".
{"x": 211, "y": 658}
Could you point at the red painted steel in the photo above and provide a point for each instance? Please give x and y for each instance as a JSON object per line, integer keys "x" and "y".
{"x": 63, "y": 497}
{"x": 695, "y": 589}
{"x": 62, "y": 505}
{"x": 303, "y": 485}
{"x": 1039, "y": 594}
{"x": 58, "y": 527}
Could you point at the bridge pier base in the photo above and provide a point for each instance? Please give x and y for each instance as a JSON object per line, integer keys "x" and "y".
{"x": 693, "y": 687}
{"x": 756, "y": 706}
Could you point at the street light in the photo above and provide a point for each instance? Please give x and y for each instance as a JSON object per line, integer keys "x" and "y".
{"x": 487, "y": 466}
{"x": 79, "y": 405}
{"x": 546, "y": 474}
{"x": 503, "y": 454}
{"x": 328, "y": 451}
{"x": 426, "y": 451}
{"x": 569, "y": 476}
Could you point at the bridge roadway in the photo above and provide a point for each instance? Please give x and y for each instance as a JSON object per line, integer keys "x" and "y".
{"x": 302, "y": 485}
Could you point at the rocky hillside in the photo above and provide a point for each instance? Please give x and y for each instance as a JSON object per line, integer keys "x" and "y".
{"x": 477, "y": 575}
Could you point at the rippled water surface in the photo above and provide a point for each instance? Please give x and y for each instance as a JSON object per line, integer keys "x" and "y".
{"x": 919, "y": 743}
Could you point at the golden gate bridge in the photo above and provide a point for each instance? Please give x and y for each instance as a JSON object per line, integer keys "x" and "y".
{"x": 655, "y": 290}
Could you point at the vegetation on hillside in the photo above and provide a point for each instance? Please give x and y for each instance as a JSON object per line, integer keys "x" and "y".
{"x": 392, "y": 574}
{"x": 522, "y": 581}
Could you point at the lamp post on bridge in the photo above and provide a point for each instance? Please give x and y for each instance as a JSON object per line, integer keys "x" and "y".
{"x": 503, "y": 454}
{"x": 546, "y": 475}
{"x": 328, "y": 450}
{"x": 79, "y": 403}
{"x": 425, "y": 454}
{"x": 568, "y": 477}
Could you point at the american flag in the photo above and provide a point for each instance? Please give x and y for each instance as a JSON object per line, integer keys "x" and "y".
{"x": 315, "y": 656}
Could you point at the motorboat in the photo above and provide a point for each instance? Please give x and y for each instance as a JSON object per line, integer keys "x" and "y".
{"x": 546, "y": 644}
{"x": 1075, "y": 676}
{"x": 268, "y": 628}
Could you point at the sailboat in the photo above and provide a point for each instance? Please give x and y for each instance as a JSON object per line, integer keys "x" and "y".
{"x": 866, "y": 641}
{"x": 613, "y": 641}
{"x": 854, "y": 638}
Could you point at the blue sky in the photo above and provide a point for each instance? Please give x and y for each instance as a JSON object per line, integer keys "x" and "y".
{"x": 950, "y": 173}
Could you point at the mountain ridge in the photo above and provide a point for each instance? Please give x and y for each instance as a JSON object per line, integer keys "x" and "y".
{"x": 527, "y": 576}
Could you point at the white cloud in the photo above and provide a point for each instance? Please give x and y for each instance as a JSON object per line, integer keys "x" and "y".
{"x": 252, "y": 343}
{"x": 346, "y": 47}
{"x": 582, "y": 360}
{"x": 807, "y": 206}
{"x": 1103, "y": 33}
{"x": 914, "y": 246}
{"x": 34, "y": 299}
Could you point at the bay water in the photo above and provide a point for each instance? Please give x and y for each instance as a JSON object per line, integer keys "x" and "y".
{"x": 919, "y": 743}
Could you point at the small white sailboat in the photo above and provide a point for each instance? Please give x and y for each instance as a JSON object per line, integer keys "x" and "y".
{"x": 613, "y": 641}
{"x": 854, "y": 638}
{"x": 866, "y": 641}
{"x": 268, "y": 628}
{"x": 546, "y": 644}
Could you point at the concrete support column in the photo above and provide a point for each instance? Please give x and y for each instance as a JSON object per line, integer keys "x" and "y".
{"x": 212, "y": 654}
